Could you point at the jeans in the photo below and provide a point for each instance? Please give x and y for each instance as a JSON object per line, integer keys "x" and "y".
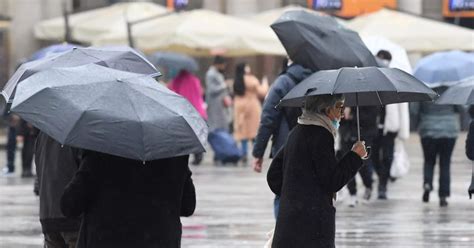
{"x": 432, "y": 148}
{"x": 27, "y": 153}
{"x": 245, "y": 144}
{"x": 11, "y": 149}
{"x": 382, "y": 155}
{"x": 366, "y": 174}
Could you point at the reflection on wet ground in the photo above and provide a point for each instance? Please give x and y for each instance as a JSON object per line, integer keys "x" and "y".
{"x": 235, "y": 210}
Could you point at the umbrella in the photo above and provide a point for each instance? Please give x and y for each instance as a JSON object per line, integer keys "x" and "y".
{"x": 53, "y": 49}
{"x": 445, "y": 68}
{"x": 365, "y": 86}
{"x": 319, "y": 42}
{"x": 111, "y": 111}
{"x": 459, "y": 94}
{"x": 174, "y": 61}
{"x": 124, "y": 58}
{"x": 400, "y": 58}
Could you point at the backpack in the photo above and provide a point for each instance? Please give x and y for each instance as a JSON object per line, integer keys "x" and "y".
{"x": 291, "y": 114}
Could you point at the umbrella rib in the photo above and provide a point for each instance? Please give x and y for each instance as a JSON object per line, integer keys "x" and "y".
{"x": 336, "y": 82}
{"x": 378, "y": 96}
{"x": 140, "y": 121}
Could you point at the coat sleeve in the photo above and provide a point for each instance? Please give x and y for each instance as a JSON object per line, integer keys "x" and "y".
{"x": 188, "y": 200}
{"x": 271, "y": 117}
{"x": 214, "y": 86}
{"x": 470, "y": 142}
{"x": 275, "y": 173}
{"x": 331, "y": 174}
{"x": 81, "y": 189}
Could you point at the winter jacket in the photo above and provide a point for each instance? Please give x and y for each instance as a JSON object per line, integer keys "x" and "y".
{"x": 189, "y": 86}
{"x": 125, "y": 203}
{"x": 55, "y": 167}
{"x": 216, "y": 90}
{"x": 273, "y": 121}
{"x": 305, "y": 174}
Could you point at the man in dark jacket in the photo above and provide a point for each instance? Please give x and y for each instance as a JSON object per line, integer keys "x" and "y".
{"x": 277, "y": 123}
{"x": 126, "y": 203}
{"x": 55, "y": 167}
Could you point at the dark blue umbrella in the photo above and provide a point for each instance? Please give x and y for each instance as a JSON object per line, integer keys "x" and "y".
{"x": 445, "y": 68}
{"x": 56, "y": 48}
{"x": 174, "y": 61}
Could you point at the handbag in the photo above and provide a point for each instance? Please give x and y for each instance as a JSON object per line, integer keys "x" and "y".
{"x": 400, "y": 164}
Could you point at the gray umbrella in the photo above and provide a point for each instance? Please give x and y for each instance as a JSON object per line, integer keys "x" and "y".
{"x": 120, "y": 58}
{"x": 176, "y": 61}
{"x": 364, "y": 86}
{"x": 320, "y": 42}
{"x": 459, "y": 94}
{"x": 111, "y": 111}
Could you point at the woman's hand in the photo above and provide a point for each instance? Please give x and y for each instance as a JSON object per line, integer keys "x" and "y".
{"x": 359, "y": 148}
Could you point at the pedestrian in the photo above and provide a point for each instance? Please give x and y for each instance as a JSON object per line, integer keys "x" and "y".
{"x": 217, "y": 96}
{"x": 29, "y": 133}
{"x": 393, "y": 123}
{"x": 470, "y": 148}
{"x": 248, "y": 93}
{"x": 349, "y": 135}
{"x": 189, "y": 86}
{"x": 438, "y": 126}
{"x": 13, "y": 122}
{"x": 55, "y": 167}
{"x": 306, "y": 175}
{"x": 277, "y": 123}
{"x": 129, "y": 203}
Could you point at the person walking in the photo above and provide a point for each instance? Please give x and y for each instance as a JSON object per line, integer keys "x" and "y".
{"x": 277, "y": 123}
{"x": 55, "y": 167}
{"x": 348, "y": 136}
{"x": 13, "y": 122}
{"x": 189, "y": 86}
{"x": 217, "y": 96}
{"x": 438, "y": 128}
{"x": 129, "y": 203}
{"x": 306, "y": 175}
{"x": 247, "y": 107}
{"x": 470, "y": 148}
{"x": 29, "y": 133}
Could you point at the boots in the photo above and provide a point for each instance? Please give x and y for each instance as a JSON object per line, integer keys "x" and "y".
{"x": 426, "y": 193}
{"x": 443, "y": 202}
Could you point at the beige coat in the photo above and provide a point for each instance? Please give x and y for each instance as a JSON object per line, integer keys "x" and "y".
{"x": 247, "y": 108}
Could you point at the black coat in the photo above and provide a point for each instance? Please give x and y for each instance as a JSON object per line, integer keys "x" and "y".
{"x": 470, "y": 142}
{"x": 126, "y": 203}
{"x": 305, "y": 174}
{"x": 55, "y": 168}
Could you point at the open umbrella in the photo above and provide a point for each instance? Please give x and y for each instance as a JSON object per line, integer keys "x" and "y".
{"x": 120, "y": 58}
{"x": 174, "y": 61}
{"x": 445, "y": 68}
{"x": 399, "y": 54}
{"x": 111, "y": 111}
{"x": 53, "y": 49}
{"x": 458, "y": 94}
{"x": 364, "y": 86}
{"x": 319, "y": 42}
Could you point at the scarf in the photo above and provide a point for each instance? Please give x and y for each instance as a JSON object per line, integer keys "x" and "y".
{"x": 308, "y": 118}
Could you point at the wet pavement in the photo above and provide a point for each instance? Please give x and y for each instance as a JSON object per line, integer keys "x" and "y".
{"x": 234, "y": 209}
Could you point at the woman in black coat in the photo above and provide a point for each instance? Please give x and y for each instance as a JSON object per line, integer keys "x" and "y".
{"x": 306, "y": 176}
{"x": 125, "y": 203}
{"x": 470, "y": 149}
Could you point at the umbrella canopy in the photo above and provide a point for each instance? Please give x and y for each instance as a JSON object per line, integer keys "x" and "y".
{"x": 175, "y": 61}
{"x": 200, "y": 33}
{"x": 124, "y": 58}
{"x": 365, "y": 86}
{"x": 111, "y": 111}
{"x": 270, "y": 16}
{"x": 399, "y": 54}
{"x": 49, "y": 50}
{"x": 86, "y": 26}
{"x": 459, "y": 94}
{"x": 445, "y": 68}
{"x": 319, "y": 42}
{"x": 414, "y": 33}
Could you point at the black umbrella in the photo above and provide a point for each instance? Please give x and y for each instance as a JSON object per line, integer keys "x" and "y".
{"x": 320, "y": 43}
{"x": 120, "y": 58}
{"x": 111, "y": 111}
{"x": 364, "y": 86}
{"x": 176, "y": 61}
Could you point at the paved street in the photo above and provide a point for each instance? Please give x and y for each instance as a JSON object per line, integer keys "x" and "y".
{"x": 235, "y": 210}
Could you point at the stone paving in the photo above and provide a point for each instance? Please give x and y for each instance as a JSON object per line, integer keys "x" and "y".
{"x": 234, "y": 209}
